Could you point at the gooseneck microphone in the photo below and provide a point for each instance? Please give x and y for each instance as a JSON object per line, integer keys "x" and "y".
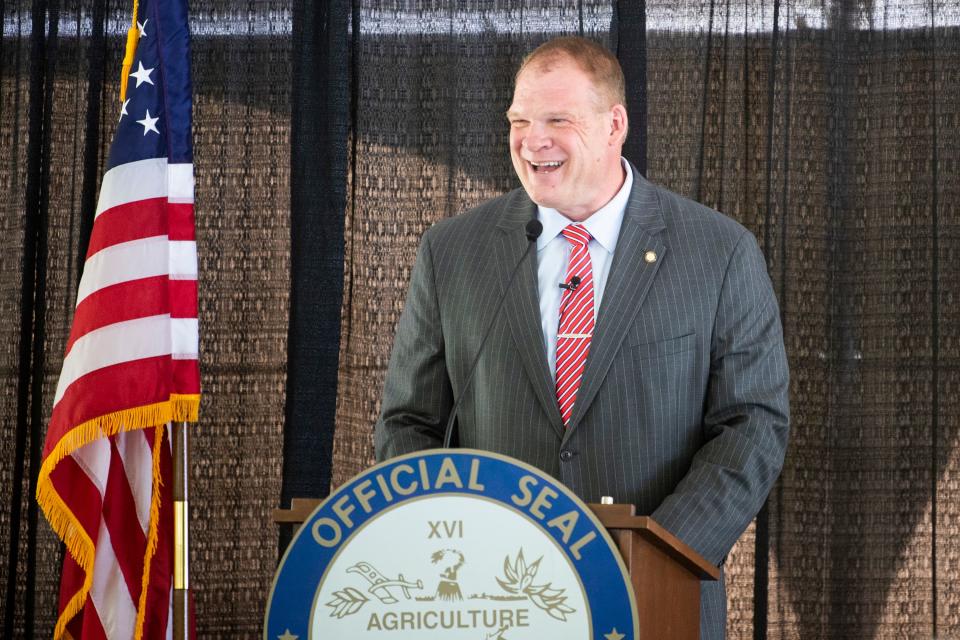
{"x": 533, "y": 230}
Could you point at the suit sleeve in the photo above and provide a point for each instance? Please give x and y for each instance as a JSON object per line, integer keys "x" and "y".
{"x": 417, "y": 395}
{"x": 746, "y": 415}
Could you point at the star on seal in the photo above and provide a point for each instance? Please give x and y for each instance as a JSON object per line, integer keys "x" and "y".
{"x": 289, "y": 636}
{"x": 613, "y": 635}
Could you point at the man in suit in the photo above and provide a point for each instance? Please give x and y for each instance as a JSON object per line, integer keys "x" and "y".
{"x": 639, "y": 352}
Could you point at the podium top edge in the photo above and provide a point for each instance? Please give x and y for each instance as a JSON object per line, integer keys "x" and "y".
{"x": 621, "y": 517}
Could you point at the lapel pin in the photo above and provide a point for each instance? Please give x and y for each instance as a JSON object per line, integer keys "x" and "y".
{"x": 650, "y": 257}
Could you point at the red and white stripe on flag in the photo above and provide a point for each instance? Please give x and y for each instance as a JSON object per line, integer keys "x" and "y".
{"x": 131, "y": 367}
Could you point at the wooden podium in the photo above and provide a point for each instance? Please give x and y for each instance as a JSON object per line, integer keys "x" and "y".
{"x": 664, "y": 571}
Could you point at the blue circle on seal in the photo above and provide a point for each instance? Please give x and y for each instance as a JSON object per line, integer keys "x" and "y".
{"x": 580, "y": 580}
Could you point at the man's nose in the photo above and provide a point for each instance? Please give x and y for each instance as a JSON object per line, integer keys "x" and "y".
{"x": 537, "y": 139}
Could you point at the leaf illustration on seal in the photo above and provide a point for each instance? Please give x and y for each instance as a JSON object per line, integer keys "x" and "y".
{"x": 529, "y": 573}
{"x": 519, "y": 579}
{"x": 346, "y": 602}
{"x": 553, "y": 602}
{"x": 521, "y": 564}
{"x": 508, "y": 569}
{"x": 508, "y": 586}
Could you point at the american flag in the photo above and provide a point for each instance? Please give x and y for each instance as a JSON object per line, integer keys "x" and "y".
{"x": 131, "y": 363}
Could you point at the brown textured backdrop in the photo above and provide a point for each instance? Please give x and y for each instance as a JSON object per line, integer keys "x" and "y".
{"x": 831, "y": 130}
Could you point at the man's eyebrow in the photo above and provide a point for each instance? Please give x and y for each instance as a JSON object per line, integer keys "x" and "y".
{"x": 552, "y": 114}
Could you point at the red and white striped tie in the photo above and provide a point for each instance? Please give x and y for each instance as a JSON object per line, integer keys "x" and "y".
{"x": 576, "y": 320}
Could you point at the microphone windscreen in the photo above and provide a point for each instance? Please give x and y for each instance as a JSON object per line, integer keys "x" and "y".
{"x": 534, "y": 228}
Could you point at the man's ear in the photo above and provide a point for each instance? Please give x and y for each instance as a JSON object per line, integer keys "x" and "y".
{"x": 618, "y": 124}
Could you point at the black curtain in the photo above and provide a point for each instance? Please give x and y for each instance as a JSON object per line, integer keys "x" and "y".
{"x": 328, "y": 136}
{"x": 319, "y": 131}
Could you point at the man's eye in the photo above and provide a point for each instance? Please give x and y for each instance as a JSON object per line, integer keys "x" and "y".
{"x": 558, "y": 120}
{"x": 518, "y": 123}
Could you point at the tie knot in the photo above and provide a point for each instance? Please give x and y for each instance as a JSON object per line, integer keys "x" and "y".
{"x": 576, "y": 234}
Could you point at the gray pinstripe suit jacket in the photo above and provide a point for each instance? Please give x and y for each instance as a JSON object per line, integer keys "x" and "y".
{"x": 683, "y": 407}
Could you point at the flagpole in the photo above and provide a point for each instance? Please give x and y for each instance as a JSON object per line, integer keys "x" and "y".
{"x": 181, "y": 531}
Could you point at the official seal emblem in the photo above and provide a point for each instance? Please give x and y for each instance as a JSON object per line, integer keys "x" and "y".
{"x": 452, "y": 544}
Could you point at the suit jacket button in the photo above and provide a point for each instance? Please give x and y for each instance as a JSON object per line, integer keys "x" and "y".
{"x": 566, "y": 455}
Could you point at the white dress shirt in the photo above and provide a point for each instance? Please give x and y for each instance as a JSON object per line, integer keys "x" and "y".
{"x": 553, "y": 253}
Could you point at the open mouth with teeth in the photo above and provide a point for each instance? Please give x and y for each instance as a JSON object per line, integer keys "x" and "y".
{"x": 546, "y": 167}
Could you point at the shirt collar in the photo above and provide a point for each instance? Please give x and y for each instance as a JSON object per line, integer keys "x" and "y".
{"x": 604, "y": 225}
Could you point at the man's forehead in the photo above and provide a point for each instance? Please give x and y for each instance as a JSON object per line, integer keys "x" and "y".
{"x": 557, "y": 98}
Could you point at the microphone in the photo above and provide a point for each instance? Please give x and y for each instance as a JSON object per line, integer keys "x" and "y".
{"x": 533, "y": 230}
{"x": 572, "y": 285}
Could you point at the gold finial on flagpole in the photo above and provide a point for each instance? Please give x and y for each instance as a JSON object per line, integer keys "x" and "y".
{"x": 133, "y": 36}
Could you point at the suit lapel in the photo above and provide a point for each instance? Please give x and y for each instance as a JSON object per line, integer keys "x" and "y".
{"x": 522, "y": 307}
{"x": 631, "y": 275}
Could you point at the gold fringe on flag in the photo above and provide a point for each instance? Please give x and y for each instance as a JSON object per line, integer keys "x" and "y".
{"x": 180, "y": 408}
{"x": 154, "y": 532}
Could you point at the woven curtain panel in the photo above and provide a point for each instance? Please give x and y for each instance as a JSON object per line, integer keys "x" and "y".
{"x": 65, "y": 82}
{"x": 242, "y": 156}
{"x": 830, "y": 130}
